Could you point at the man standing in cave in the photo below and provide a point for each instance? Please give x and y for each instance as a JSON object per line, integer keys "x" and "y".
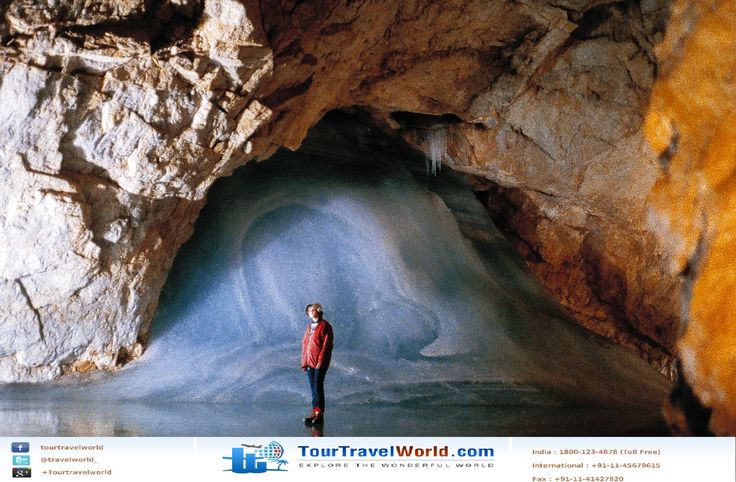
{"x": 316, "y": 356}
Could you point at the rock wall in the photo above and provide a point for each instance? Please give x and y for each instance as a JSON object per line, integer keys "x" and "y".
{"x": 116, "y": 120}
{"x": 690, "y": 123}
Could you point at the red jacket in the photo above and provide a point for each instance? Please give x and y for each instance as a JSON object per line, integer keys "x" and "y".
{"x": 317, "y": 346}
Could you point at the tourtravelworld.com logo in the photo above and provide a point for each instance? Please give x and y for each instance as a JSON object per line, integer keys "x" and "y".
{"x": 255, "y": 459}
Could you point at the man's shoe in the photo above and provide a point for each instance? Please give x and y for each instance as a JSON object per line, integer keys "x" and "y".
{"x": 310, "y": 418}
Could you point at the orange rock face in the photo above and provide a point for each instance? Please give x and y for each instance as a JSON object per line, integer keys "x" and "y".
{"x": 691, "y": 125}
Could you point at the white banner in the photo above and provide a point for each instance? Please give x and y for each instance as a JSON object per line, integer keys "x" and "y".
{"x": 529, "y": 459}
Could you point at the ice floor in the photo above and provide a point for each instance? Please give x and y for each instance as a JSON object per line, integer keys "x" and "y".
{"x": 439, "y": 329}
{"x": 187, "y": 419}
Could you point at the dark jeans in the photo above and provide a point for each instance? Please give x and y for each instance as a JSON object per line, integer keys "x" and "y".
{"x": 316, "y": 377}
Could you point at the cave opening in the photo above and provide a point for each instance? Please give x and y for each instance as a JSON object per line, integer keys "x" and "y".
{"x": 436, "y": 318}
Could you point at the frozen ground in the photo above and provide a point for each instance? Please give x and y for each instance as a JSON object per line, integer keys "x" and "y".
{"x": 438, "y": 327}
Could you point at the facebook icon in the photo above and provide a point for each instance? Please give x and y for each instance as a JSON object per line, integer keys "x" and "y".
{"x": 21, "y": 460}
{"x": 20, "y": 447}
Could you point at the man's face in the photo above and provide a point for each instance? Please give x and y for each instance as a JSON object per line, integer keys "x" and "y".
{"x": 313, "y": 313}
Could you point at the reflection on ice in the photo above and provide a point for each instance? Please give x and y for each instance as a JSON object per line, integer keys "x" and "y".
{"x": 429, "y": 306}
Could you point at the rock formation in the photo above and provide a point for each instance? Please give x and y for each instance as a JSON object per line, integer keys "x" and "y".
{"x": 111, "y": 134}
{"x": 690, "y": 124}
{"x": 117, "y": 118}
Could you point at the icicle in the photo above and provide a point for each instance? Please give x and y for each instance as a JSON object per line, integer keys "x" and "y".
{"x": 437, "y": 139}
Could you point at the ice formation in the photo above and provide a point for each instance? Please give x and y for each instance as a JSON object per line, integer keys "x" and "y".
{"x": 437, "y": 139}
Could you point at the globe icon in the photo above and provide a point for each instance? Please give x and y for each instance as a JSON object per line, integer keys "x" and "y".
{"x": 271, "y": 452}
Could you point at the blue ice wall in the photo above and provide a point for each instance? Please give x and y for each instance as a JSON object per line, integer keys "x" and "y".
{"x": 408, "y": 298}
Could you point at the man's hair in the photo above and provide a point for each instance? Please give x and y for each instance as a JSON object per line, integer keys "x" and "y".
{"x": 316, "y": 305}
